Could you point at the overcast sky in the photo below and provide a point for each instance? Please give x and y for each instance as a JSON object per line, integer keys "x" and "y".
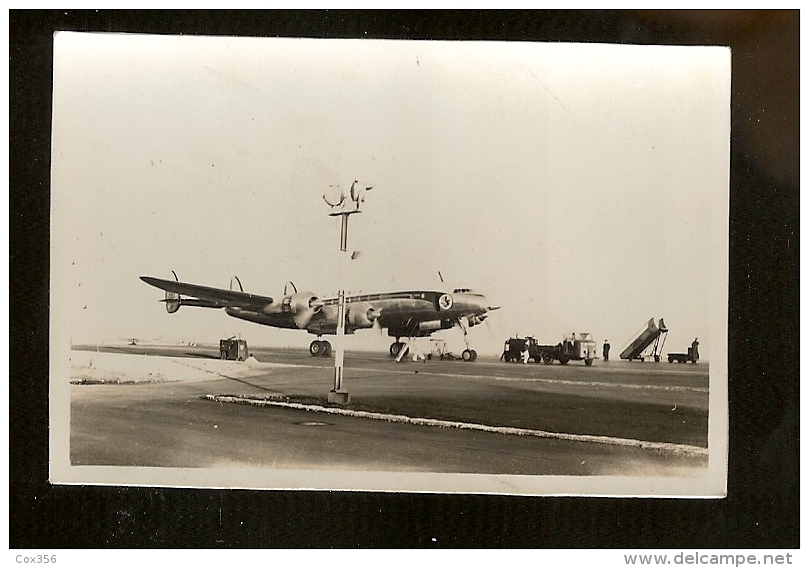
{"x": 580, "y": 187}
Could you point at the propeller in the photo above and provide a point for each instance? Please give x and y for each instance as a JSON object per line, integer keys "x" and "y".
{"x": 375, "y": 315}
{"x": 303, "y": 306}
{"x": 303, "y": 316}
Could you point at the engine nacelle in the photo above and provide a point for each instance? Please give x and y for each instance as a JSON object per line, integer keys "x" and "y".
{"x": 435, "y": 325}
{"x": 363, "y": 318}
{"x": 302, "y": 306}
{"x": 173, "y": 302}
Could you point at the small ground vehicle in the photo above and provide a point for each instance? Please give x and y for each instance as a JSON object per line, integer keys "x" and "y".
{"x": 233, "y": 349}
{"x": 514, "y": 349}
{"x": 689, "y": 357}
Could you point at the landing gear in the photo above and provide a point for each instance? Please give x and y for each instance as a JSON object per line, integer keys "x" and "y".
{"x": 320, "y": 348}
{"x": 396, "y": 348}
{"x": 469, "y": 355}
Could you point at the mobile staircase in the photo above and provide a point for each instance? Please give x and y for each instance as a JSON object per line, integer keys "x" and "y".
{"x": 651, "y": 334}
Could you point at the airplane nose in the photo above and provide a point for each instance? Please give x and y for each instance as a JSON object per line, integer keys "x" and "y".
{"x": 483, "y": 305}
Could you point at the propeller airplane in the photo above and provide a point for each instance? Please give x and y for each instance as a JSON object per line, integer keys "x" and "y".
{"x": 405, "y": 314}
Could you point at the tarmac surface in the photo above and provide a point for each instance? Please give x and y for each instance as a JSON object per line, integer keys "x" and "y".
{"x": 151, "y": 406}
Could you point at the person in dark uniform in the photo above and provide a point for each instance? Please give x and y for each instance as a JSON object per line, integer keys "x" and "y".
{"x": 695, "y": 350}
{"x": 606, "y": 351}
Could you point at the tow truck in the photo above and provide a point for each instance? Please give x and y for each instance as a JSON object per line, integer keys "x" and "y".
{"x": 571, "y": 348}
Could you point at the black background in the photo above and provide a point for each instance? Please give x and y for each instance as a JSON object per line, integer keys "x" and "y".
{"x": 762, "y": 506}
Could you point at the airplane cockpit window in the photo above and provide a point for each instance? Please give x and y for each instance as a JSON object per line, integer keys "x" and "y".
{"x": 465, "y": 291}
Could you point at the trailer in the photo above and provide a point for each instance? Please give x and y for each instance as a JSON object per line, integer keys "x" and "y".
{"x": 233, "y": 349}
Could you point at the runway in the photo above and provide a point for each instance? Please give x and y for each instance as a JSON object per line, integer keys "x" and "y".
{"x": 180, "y": 407}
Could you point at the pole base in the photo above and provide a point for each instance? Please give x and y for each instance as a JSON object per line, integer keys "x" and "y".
{"x": 339, "y": 397}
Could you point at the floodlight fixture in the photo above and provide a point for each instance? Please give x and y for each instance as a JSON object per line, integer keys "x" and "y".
{"x": 334, "y": 196}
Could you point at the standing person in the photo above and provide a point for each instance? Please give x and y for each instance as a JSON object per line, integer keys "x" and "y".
{"x": 606, "y": 351}
{"x": 695, "y": 350}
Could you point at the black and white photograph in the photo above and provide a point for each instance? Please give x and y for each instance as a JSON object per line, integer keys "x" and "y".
{"x": 389, "y": 265}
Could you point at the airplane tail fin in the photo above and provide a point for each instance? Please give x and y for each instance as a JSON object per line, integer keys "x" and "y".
{"x": 172, "y": 298}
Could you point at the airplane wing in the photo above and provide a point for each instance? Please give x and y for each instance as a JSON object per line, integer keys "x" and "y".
{"x": 214, "y": 297}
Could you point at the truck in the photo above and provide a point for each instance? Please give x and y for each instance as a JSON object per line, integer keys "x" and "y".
{"x": 233, "y": 349}
{"x": 691, "y": 357}
{"x": 571, "y": 348}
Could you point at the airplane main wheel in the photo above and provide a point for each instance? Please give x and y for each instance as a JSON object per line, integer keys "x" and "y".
{"x": 474, "y": 355}
{"x": 315, "y": 348}
{"x": 326, "y": 348}
{"x": 466, "y": 355}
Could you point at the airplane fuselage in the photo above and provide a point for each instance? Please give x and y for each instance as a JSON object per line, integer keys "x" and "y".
{"x": 405, "y": 313}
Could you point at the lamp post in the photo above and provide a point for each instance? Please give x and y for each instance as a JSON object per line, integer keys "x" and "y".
{"x": 343, "y": 208}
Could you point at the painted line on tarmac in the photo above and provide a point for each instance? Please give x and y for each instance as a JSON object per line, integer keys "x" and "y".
{"x": 606, "y": 367}
{"x": 603, "y": 384}
{"x": 568, "y": 382}
{"x": 403, "y": 419}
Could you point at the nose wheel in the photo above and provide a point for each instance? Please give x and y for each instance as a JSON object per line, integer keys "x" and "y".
{"x": 469, "y": 355}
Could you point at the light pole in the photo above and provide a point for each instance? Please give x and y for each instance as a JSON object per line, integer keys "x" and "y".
{"x": 343, "y": 208}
